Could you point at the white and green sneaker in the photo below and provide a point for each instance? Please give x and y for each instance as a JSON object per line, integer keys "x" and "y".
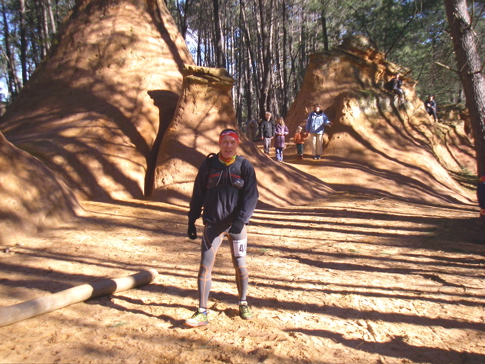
{"x": 245, "y": 312}
{"x": 199, "y": 318}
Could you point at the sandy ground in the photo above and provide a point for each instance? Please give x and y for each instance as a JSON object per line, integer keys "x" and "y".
{"x": 352, "y": 279}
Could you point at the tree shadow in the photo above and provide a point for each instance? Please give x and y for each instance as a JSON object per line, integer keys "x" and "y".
{"x": 397, "y": 347}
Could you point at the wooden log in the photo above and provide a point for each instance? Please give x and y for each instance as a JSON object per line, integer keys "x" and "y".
{"x": 41, "y": 305}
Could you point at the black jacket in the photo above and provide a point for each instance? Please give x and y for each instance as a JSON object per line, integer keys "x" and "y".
{"x": 396, "y": 83}
{"x": 266, "y": 129}
{"x": 430, "y": 104}
{"x": 225, "y": 193}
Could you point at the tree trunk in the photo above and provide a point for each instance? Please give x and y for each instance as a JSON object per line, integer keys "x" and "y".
{"x": 39, "y": 23}
{"x": 45, "y": 304}
{"x": 284, "y": 63}
{"x": 248, "y": 42}
{"x": 324, "y": 26}
{"x": 45, "y": 26}
{"x": 23, "y": 41}
{"x": 265, "y": 8}
{"x": 51, "y": 17}
{"x": 220, "y": 55}
{"x": 469, "y": 66}
{"x": 303, "y": 43}
{"x": 13, "y": 82}
{"x": 247, "y": 90}
{"x": 200, "y": 39}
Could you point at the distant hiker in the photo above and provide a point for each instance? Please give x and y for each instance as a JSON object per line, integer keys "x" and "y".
{"x": 299, "y": 139}
{"x": 226, "y": 189}
{"x": 430, "y": 106}
{"x": 252, "y": 129}
{"x": 281, "y": 131}
{"x": 315, "y": 127}
{"x": 266, "y": 130}
{"x": 481, "y": 196}
{"x": 395, "y": 85}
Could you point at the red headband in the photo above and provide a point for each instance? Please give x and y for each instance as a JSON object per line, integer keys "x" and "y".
{"x": 230, "y": 133}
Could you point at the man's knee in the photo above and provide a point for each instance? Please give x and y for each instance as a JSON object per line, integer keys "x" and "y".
{"x": 204, "y": 272}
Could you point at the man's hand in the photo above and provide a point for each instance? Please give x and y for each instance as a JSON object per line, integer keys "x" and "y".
{"x": 192, "y": 231}
{"x": 236, "y": 227}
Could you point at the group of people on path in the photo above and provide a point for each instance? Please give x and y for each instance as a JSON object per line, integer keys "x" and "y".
{"x": 269, "y": 131}
{"x": 314, "y": 127}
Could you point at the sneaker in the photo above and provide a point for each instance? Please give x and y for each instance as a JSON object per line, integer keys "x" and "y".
{"x": 197, "y": 319}
{"x": 245, "y": 312}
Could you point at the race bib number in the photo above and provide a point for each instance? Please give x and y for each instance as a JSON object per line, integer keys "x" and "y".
{"x": 240, "y": 247}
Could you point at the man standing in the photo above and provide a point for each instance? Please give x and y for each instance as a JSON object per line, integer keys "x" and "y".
{"x": 267, "y": 130}
{"x": 226, "y": 189}
{"x": 315, "y": 127}
{"x": 430, "y": 106}
{"x": 396, "y": 84}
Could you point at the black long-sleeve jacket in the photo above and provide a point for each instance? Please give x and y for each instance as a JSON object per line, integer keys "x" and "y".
{"x": 267, "y": 129}
{"x": 225, "y": 193}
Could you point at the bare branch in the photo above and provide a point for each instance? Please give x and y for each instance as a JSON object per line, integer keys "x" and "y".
{"x": 447, "y": 67}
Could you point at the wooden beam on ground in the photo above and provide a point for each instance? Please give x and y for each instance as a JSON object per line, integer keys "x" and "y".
{"x": 39, "y": 306}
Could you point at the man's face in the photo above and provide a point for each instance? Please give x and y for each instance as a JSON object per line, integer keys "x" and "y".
{"x": 268, "y": 116}
{"x": 317, "y": 108}
{"x": 228, "y": 146}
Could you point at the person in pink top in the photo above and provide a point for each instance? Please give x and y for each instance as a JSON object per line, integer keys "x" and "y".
{"x": 281, "y": 131}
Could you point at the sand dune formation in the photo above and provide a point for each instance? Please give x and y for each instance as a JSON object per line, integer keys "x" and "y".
{"x": 120, "y": 111}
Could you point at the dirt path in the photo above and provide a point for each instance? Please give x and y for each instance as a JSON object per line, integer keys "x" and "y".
{"x": 355, "y": 280}
{"x": 352, "y": 279}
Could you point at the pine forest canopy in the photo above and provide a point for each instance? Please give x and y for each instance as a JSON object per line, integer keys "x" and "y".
{"x": 265, "y": 45}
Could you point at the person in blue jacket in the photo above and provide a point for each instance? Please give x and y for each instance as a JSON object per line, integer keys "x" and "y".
{"x": 226, "y": 190}
{"x": 315, "y": 128}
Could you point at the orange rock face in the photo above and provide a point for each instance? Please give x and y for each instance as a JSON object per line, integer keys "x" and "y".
{"x": 91, "y": 112}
